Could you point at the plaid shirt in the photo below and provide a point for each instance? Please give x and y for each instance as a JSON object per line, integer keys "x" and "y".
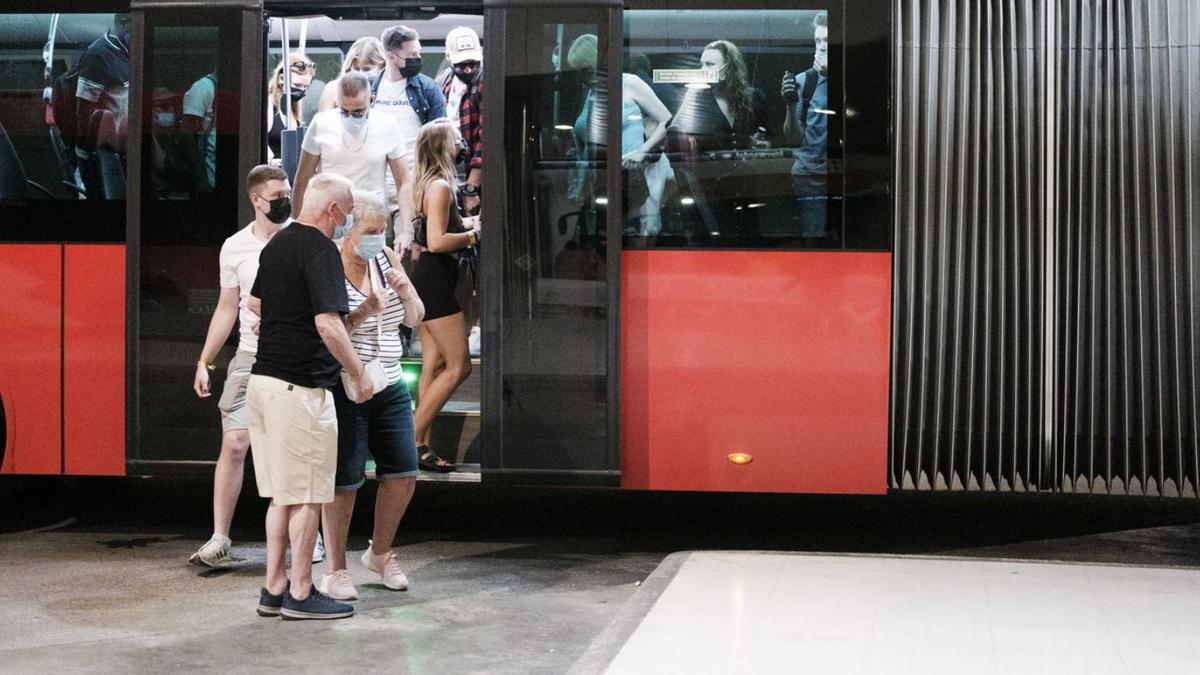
{"x": 470, "y": 115}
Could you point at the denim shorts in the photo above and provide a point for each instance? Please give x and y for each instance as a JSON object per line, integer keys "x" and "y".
{"x": 383, "y": 427}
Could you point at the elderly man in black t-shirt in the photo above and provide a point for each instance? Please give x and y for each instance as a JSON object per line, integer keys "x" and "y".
{"x": 293, "y": 426}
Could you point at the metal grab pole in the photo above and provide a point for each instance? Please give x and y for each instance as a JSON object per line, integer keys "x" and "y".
{"x": 287, "y": 78}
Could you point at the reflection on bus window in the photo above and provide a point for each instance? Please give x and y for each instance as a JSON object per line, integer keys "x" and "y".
{"x": 64, "y": 106}
{"x": 745, "y": 160}
{"x": 185, "y": 97}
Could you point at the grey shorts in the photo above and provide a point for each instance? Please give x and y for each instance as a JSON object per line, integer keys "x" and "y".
{"x": 234, "y": 415}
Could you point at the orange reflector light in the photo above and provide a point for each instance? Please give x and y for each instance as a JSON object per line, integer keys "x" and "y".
{"x": 740, "y": 458}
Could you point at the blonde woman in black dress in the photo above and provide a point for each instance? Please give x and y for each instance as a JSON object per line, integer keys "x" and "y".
{"x": 441, "y": 230}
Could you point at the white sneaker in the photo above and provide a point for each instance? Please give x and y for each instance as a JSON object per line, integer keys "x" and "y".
{"x": 387, "y": 568}
{"x": 338, "y": 585}
{"x": 319, "y": 549}
{"x": 214, "y": 552}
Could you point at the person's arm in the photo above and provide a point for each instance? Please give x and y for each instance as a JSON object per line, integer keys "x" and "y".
{"x": 653, "y": 109}
{"x": 219, "y": 328}
{"x": 328, "y": 97}
{"x": 404, "y": 200}
{"x": 337, "y": 341}
{"x": 475, "y": 145}
{"x": 437, "y": 217}
{"x": 308, "y": 167}
{"x": 414, "y": 309}
{"x": 793, "y": 129}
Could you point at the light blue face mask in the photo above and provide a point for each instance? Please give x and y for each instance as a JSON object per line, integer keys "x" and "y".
{"x": 370, "y": 245}
{"x": 340, "y": 231}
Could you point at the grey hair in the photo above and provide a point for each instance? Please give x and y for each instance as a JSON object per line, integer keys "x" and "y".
{"x": 367, "y": 204}
{"x": 396, "y": 36}
{"x": 352, "y": 84}
{"x": 325, "y": 188}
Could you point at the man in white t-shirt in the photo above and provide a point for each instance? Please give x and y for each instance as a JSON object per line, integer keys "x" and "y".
{"x": 410, "y": 98}
{"x": 270, "y": 195}
{"x": 352, "y": 141}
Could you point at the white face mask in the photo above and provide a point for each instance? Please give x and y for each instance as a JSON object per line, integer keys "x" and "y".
{"x": 356, "y": 127}
{"x": 821, "y": 60}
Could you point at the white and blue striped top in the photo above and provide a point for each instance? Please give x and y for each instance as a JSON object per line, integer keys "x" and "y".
{"x": 390, "y": 348}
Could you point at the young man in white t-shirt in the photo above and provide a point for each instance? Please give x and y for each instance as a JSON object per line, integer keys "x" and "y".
{"x": 410, "y": 98}
{"x": 351, "y": 141}
{"x": 270, "y": 195}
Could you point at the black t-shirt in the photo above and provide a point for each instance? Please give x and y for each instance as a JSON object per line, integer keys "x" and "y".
{"x": 300, "y": 275}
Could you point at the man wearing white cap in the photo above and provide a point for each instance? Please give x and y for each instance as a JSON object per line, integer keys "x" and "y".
{"x": 462, "y": 85}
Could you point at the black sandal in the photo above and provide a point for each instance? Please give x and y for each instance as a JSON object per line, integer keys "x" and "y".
{"x": 428, "y": 460}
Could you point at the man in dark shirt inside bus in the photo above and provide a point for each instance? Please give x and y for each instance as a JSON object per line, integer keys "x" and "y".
{"x": 103, "y": 86}
{"x": 806, "y": 127}
{"x": 301, "y": 291}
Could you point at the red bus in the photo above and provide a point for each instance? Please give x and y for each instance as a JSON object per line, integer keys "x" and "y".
{"x": 829, "y": 274}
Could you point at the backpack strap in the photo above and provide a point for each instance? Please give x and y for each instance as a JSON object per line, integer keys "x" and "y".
{"x": 810, "y": 88}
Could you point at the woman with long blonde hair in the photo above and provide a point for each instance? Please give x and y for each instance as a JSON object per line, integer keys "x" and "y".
{"x": 441, "y": 230}
{"x": 303, "y": 70}
{"x": 367, "y": 57}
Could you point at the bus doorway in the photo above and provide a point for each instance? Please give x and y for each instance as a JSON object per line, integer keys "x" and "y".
{"x": 303, "y": 103}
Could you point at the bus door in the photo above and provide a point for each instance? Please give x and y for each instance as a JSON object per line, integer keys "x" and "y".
{"x": 193, "y": 137}
{"x": 552, "y": 259}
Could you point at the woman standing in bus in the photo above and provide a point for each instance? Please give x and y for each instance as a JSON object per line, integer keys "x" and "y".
{"x": 441, "y": 231}
{"x": 644, "y": 121}
{"x": 381, "y": 299}
{"x": 303, "y": 70}
{"x": 365, "y": 56}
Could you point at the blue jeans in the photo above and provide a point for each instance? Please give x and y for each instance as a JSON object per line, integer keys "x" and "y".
{"x": 383, "y": 427}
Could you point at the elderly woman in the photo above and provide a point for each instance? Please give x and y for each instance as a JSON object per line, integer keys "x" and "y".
{"x": 365, "y": 56}
{"x": 381, "y": 300}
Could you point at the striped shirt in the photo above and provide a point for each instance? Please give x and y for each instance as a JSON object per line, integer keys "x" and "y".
{"x": 390, "y": 349}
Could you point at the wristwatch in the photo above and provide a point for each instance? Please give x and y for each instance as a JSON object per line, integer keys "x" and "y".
{"x": 470, "y": 189}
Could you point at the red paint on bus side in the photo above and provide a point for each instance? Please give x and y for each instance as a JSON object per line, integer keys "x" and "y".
{"x": 30, "y": 357}
{"x": 780, "y": 355}
{"x": 94, "y": 358}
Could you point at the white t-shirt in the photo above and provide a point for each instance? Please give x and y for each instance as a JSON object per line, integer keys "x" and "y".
{"x": 458, "y": 89}
{"x": 363, "y": 161}
{"x": 239, "y": 266}
{"x": 392, "y": 99}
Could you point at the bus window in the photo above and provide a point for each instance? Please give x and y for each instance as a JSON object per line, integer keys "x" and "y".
{"x": 64, "y": 108}
{"x": 731, "y": 128}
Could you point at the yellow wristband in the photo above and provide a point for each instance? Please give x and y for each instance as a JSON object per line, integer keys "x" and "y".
{"x": 205, "y": 364}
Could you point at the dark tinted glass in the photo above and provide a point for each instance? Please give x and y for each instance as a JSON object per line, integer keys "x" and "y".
{"x": 64, "y": 104}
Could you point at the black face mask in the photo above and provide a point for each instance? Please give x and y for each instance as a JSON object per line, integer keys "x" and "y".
{"x": 412, "y": 68}
{"x": 280, "y": 210}
{"x": 298, "y": 93}
{"x": 464, "y": 76}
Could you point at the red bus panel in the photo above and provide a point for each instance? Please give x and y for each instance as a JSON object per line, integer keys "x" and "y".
{"x": 30, "y": 357}
{"x": 780, "y": 356}
{"x": 94, "y": 358}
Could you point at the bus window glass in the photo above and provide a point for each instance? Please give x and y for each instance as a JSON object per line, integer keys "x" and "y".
{"x": 555, "y": 304}
{"x": 731, "y": 127}
{"x": 64, "y": 106}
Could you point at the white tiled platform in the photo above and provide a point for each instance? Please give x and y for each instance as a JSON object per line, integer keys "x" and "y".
{"x": 785, "y": 613}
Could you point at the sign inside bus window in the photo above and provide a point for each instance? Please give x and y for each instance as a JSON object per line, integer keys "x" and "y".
{"x": 686, "y": 76}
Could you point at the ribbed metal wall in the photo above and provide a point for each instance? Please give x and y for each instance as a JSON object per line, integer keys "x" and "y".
{"x": 980, "y": 85}
{"x": 969, "y": 144}
{"x": 1128, "y": 213}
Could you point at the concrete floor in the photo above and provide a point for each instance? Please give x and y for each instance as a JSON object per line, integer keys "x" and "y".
{"x": 503, "y": 580}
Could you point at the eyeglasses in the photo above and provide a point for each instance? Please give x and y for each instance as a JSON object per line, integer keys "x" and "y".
{"x": 302, "y": 67}
{"x": 466, "y": 65}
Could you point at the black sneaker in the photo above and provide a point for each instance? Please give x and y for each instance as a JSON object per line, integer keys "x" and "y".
{"x": 316, "y": 606}
{"x": 268, "y": 604}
